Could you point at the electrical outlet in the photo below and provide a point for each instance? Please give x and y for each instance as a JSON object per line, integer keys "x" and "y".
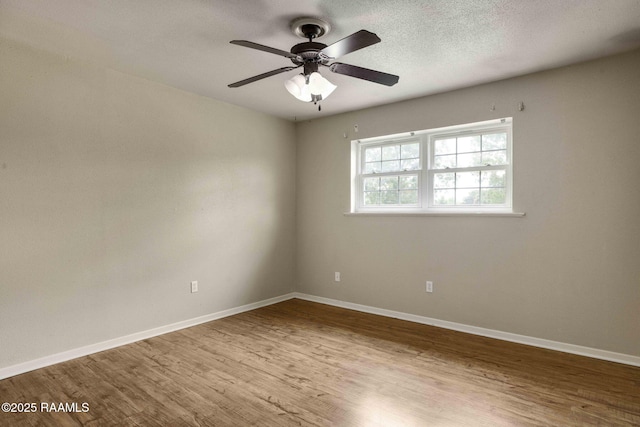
{"x": 337, "y": 276}
{"x": 194, "y": 286}
{"x": 429, "y": 286}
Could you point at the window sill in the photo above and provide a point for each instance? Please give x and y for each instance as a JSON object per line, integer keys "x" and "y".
{"x": 467, "y": 214}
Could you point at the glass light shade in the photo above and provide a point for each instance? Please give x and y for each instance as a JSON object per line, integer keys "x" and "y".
{"x": 318, "y": 86}
{"x": 298, "y": 87}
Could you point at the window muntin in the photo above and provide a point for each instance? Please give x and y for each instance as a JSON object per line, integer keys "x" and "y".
{"x": 389, "y": 175}
{"x": 455, "y": 169}
{"x": 392, "y": 157}
{"x": 391, "y": 190}
{"x": 485, "y": 187}
{"x": 470, "y": 150}
{"x": 469, "y": 169}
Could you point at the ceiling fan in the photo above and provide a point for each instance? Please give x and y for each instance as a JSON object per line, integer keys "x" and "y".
{"x": 310, "y": 85}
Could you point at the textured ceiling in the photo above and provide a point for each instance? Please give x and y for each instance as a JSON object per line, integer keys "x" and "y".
{"x": 433, "y": 45}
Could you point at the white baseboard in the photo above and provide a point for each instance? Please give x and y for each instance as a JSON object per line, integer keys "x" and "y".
{"x": 138, "y": 336}
{"x": 42, "y": 362}
{"x": 611, "y": 356}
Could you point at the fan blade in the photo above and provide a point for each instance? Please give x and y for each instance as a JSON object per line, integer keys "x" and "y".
{"x": 355, "y": 41}
{"x": 264, "y": 48}
{"x": 261, "y": 76}
{"x": 364, "y": 73}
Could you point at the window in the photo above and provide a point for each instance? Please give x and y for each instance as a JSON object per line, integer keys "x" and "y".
{"x": 464, "y": 168}
{"x": 391, "y": 174}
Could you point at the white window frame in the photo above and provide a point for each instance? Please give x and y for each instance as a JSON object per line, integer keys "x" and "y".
{"x": 426, "y": 171}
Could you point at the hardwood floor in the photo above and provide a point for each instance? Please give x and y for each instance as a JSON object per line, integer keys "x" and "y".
{"x": 302, "y": 363}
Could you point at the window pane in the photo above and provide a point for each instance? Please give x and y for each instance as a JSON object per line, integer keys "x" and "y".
{"x": 389, "y": 183}
{"x": 444, "y": 180}
{"x": 444, "y": 197}
{"x": 467, "y": 144}
{"x": 494, "y": 141}
{"x": 373, "y": 154}
{"x": 443, "y": 162}
{"x": 467, "y": 197}
{"x": 371, "y": 184}
{"x": 469, "y": 160}
{"x": 494, "y": 196}
{"x": 389, "y": 197}
{"x": 374, "y": 167}
{"x": 410, "y": 165}
{"x": 409, "y": 197}
{"x": 493, "y": 158}
{"x": 468, "y": 179}
{"x": 390, "y": 152}
{"x": 391, "y": 166}
{"x": 445, "y": 146}
{"x": 372, "y": 198}
{"x": 408, "y": 182}
{"x": 493, "y": 178}
{"x": 410, "y": 151}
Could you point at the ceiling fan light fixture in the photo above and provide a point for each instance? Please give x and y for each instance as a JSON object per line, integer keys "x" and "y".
{"x": 317, "y": 87}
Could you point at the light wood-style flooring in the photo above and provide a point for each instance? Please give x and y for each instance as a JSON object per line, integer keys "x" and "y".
{"x": 302, "y": 363}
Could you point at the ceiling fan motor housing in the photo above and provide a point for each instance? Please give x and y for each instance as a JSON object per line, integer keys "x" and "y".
{"x": 308, "y": 50}
{"x": 308, "y": 53}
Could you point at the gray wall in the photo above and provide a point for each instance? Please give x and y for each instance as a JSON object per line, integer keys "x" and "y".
{"x": 569, "y": 271}
{"x": 116, "y": 192}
